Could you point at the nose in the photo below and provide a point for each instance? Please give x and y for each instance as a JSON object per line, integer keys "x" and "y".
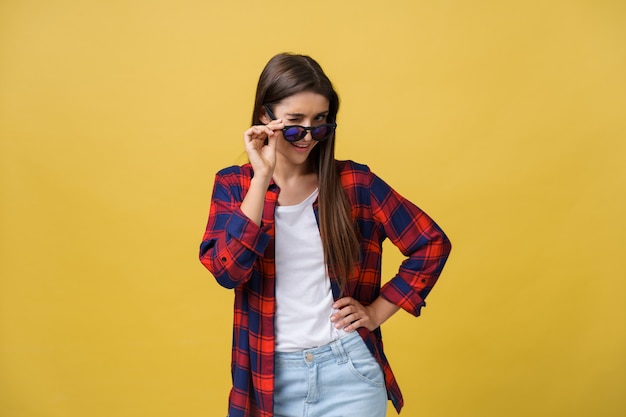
{"x": 308, "y": 135}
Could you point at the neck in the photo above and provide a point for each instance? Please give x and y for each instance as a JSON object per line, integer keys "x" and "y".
{"x": 295, "y": 185}
{"x": 288, "y": 173}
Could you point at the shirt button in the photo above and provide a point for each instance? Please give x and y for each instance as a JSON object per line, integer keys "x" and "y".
{"x": 224, "y": 259}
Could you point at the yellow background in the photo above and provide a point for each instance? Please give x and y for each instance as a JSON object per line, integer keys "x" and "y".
{"x": 504, "y": 120}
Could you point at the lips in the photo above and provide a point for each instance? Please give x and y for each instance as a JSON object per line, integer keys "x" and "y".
{"x": 301, "y": 147}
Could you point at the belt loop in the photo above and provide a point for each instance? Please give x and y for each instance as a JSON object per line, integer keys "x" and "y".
{"x": 340, "y": 353}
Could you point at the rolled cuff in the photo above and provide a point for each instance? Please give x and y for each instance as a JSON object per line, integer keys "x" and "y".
{"x": 251, "y": 236}
{"x": 400, "y": 293}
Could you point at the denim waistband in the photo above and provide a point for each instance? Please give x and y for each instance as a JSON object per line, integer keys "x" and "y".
{"x": 335, "y": 350}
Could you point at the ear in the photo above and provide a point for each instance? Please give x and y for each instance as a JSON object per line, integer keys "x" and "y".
{"x": 263, "y": 117}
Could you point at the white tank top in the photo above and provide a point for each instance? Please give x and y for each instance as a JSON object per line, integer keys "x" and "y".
{"x": 303, "y": 294}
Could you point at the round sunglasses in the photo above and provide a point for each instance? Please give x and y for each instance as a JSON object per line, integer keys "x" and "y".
{"x": 295, "y": 133}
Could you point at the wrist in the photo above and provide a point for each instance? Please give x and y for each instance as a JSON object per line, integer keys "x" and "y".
{"x": 261, "y": 181}
{"x": 374, "y": 320}
{"x": 381, "y": 310}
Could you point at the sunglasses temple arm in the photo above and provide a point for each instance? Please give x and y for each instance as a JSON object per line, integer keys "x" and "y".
{"x": 269, "y": 112}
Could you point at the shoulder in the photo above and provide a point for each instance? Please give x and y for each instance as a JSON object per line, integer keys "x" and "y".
{"x": 235, "y": 172}
{"x": 351, "y": 168}
{"x": 361, "y": 179}
{"x": 357, "y": 180}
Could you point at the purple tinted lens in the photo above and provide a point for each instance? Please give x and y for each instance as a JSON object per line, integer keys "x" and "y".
{"x": 293, "y": 134}
{"x": 320, "y": 132}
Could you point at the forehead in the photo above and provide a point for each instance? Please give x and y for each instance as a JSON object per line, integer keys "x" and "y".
{"x": 306, "y": 102}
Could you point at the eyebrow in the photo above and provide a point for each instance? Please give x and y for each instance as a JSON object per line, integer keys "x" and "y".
{"x": 324, "y": 113}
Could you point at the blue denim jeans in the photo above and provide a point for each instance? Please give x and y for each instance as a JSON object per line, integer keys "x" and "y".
{"x": 340, "y": 379}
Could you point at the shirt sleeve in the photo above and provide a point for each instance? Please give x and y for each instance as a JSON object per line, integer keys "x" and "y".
{"x": 232, "y": 242}
{"x": 418, "y": 237}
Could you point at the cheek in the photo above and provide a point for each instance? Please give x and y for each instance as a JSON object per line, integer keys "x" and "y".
{"x": 281, "y": 143}
{"x": 283, "y": 146}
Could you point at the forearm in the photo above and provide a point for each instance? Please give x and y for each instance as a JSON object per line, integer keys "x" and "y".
{"x": 381, "y": 310}
{"x": 254, "y": 201}
{"x": 230, "y": 250}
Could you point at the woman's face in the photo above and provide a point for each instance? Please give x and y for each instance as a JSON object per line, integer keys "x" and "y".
{"x": 303, "y": 109}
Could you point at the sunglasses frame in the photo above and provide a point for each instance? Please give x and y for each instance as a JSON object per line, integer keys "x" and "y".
{"x": 304, "y": 130}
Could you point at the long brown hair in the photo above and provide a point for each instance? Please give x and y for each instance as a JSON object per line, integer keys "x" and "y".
{"x": 289, "y": 74}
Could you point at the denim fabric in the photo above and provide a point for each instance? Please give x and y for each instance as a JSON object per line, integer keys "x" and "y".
{"x": 340, "y": 379}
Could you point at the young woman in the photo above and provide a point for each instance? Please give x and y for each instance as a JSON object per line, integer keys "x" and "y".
{"x": 298, "y": 236}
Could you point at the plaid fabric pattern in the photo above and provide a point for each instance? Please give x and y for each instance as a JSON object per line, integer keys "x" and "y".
{"x": 240, "y": 255}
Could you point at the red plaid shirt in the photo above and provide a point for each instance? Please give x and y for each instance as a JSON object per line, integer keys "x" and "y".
{"x": 240, "y": 255}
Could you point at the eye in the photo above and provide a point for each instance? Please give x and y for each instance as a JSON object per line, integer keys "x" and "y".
{"x": 321, "y": 117}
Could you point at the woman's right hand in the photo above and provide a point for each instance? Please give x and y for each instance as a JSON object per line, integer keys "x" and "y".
{"x": 262, "y": 156}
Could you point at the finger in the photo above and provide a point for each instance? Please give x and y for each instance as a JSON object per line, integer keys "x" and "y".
{"x": 350, "y": 323}
{"x": 352, "y": 327}
{"x": 254, "y": 133}
{"x": 276, "y": 124}
{"x": 341, "y": 314}
{"x": 261, "y": 130}
{"x": 347, "y": 317}
{"x": 271, "y": 142}
{"x": 342, "y": 302}
{"x": 273, "y": 129}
